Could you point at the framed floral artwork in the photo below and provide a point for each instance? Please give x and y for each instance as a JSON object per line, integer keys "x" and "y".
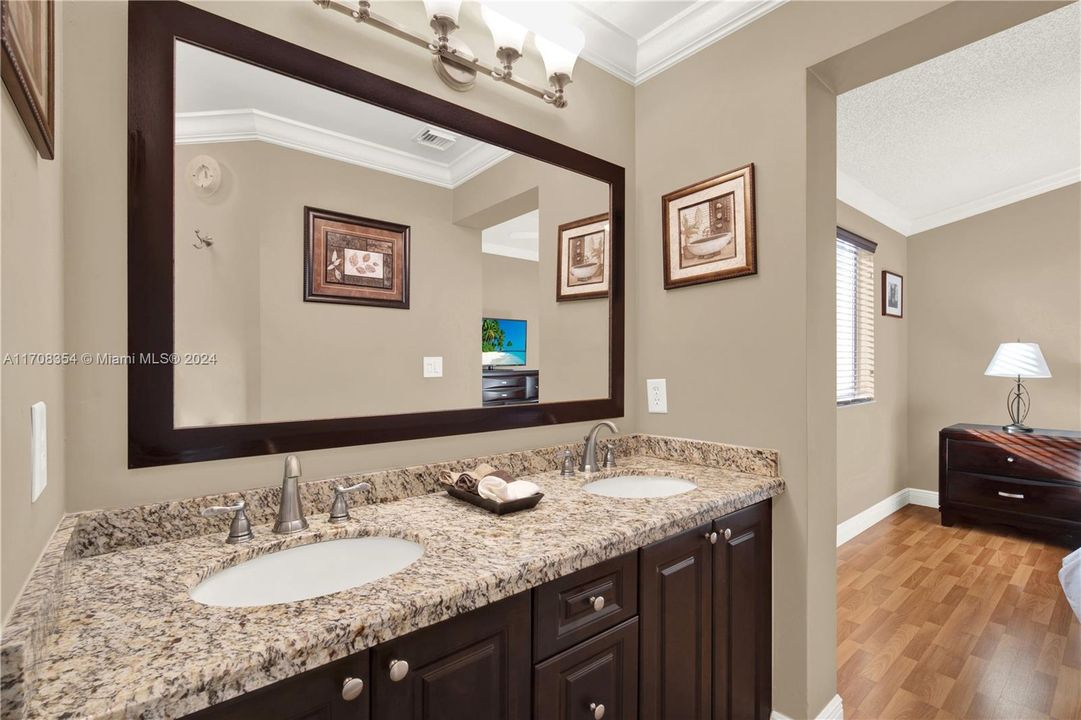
{"x": 584, "y": 259}
{"x": 893, "y": 298}
{"x": 709, "y": 230}
{"x": 355, "y": 260}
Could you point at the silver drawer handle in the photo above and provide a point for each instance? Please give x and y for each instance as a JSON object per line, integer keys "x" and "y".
{"x": 398, "y": 670}
{"x": 352, "y": 688}
{"x": 1015, "y": 496}
{"x": 728, "y": 533}
{"x": 597, "y": 709}
{"x": 1009, "y": 458}
{"x": 712, "y": 537}
{"x": 597, "y": 601}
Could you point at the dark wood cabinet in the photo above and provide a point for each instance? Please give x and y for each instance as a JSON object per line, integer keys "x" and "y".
{"x": 596, "y": 677}
{"x": 476, "y": 666}
{"x": 742, "y": 618}
{"x": 675, "y": 609}
{"x": 314, "y": 695}
{"x": 1026, "y": 480}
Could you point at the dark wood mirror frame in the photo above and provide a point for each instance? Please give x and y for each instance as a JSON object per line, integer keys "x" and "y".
{"x": 152, "y": 438}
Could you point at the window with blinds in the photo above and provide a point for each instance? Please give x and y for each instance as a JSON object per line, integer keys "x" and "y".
{"x": 855, "y": 318}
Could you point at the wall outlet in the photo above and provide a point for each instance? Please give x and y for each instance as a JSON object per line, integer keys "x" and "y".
{"x": 657, "y": 395}
{"x": 39, "y": 451}
{"x": 433, "y": 367}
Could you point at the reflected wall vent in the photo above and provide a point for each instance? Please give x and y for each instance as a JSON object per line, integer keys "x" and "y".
{"x": 438, "y": 139}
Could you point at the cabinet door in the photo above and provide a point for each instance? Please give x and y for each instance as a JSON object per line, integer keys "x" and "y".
{"x": 742, "y": 615}
{"x": 598, "y": 677}
{"x": 472, "y": 667}
{"x": 314, "y": 695}
{"x": 674, "y": 611}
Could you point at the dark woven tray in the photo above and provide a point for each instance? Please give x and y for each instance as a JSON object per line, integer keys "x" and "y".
{"x": 499, "y": 508}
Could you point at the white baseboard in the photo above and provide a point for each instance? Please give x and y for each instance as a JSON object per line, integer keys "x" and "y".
{"x": 856, "y": 524}
{"x": 834, "y": 710}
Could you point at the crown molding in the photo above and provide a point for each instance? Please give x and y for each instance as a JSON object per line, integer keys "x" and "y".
{"x": 852, "y": 192}
{"x": 219, "y": 126}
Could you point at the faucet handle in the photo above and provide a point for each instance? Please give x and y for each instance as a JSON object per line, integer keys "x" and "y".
{"x": 292, "y": 466}
{"x": 567, "y": 457}
{"x": 610, "y": 455}
{"x": 240, "y": 528}
{"x": 339, "y": 511}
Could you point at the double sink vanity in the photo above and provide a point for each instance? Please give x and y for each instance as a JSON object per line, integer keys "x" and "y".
{"x": 418, "y": 605}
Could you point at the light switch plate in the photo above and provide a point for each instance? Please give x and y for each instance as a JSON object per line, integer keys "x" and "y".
{"x": 433, "y": 367}
{"x": 39, "y": 451}
{"x": 657, "y": 395}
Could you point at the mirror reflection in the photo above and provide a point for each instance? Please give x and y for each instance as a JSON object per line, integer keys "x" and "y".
{"x": 335, "y": 259}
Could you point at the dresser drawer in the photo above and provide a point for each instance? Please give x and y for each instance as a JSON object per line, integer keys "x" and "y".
{"x": 506, "y": 394}
{"x": 602, "y": 671}
{"x": 573, "y": 608}
{"x": 510, "y": 381}
{"x": 1021, "y": 496}
{"x": 1023, "y": 458}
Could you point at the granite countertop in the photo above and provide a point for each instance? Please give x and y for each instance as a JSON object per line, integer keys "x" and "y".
{"x": 124, "y": 639}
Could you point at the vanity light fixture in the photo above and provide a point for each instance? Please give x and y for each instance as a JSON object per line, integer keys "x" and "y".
{"x": 454, "y": 61}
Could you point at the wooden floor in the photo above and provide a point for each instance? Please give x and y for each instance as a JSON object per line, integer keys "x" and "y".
{"x": 960, "y": 622}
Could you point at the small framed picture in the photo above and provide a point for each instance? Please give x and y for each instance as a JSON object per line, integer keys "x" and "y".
{"x": 584, "y": 263}
{"x": 355, "y": 260}
{"x": 893, "y": 294}
{"x": 709, "y": 230}
{"x": 29, "y": 67}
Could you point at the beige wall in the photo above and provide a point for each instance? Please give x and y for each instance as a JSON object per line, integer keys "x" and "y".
{"x": 510, "y": 288}
{"x": 31, "y": 320}
{"x": 598, "y": 121}
{"x": 872, "y": 438}
{"x": 1002, "y": 275}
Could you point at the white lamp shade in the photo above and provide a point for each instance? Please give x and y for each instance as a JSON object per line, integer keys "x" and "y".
{"x": 1018, "y": 359}
{"x": 445, "y": 8}
{"x": 505, "y": 32}
{"x": 561, "y": 49}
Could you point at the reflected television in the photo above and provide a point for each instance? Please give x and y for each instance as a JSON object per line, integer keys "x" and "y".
{"x": 502, "y": 342}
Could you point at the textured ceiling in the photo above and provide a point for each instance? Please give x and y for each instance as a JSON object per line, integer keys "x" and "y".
{"x": 985, "y": 125}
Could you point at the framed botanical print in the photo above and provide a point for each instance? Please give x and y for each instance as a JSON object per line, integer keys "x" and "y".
{"x": 893, "y": 297}
{"x": 26, "y": 34}
{"x": 584, "y": 265}
{"x": 355, "y": 260}
{"x": 709, "y": 230}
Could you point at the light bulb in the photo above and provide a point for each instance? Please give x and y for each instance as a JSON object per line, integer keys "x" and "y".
{"x": 505, "y": 32}
{"x": 443, "y": 8}
{"x": 560, "y": 50}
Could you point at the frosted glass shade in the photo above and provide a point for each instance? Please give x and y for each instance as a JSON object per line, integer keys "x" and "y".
{"x": 1018, "y": 359}
{"x": 445, "y": 8}
{"x": 560, "y": 50}
{"x": 505, "y": 32}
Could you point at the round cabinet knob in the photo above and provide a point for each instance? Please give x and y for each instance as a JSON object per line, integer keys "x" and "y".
{"x": 1009, "y": 458}
{"x": 398, "y": 670}
{"x": 597, "y": 601}
{"x": 352, "y": 688}
{"x": 728, "y": 533}
{"x": 712, "y": 537}
{"x": 597, "y": 709}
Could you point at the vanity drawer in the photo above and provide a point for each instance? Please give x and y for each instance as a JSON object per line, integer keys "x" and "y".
{"x": 505, "y": 394}
{"x": 509, "y": 381}
{"x": 1022, "y": 496}
{"x": 599, "y": 672}
{"x": 1023, "y": 458}
{"x": 573, "y": 608}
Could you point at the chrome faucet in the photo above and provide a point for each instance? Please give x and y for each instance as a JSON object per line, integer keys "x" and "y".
{"x": 290, "y": 512}
{"x": 589, "y": 453}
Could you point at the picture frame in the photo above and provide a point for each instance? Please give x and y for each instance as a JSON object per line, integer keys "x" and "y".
{"x": 28, "y": 70}
{"x": 893, "y": 294}
{"x": 709, "y": 230}
{"x": 354, "y": 260}
{"x": 584, "y": 259}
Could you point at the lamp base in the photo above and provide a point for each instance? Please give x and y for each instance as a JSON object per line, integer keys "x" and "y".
{"x": 1017, "y": 428}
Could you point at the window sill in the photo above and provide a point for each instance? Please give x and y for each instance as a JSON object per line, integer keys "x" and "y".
{"x": 855, "y": 403}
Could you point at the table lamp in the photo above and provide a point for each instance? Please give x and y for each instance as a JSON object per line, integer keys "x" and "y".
{"x": 1018, "y": 360}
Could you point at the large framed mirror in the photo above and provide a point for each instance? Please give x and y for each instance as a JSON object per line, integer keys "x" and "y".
{"x": 321, "y": 257}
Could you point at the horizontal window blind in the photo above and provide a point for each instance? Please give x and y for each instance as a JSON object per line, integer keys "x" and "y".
{"x": 855, "y": 320}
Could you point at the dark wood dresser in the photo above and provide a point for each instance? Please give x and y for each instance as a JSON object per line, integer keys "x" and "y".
{"x": 1030, "y": 480}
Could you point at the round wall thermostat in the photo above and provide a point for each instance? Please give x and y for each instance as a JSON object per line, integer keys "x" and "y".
{"x": 204, "y": 174}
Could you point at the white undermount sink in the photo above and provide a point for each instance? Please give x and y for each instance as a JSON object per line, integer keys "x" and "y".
{"x": 639, "y": 486}
{"x": 307, "y": 571}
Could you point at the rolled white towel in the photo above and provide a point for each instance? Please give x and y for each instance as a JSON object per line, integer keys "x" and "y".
{"x": 1070, "y": 577}
{"x": 498, "y": 489}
